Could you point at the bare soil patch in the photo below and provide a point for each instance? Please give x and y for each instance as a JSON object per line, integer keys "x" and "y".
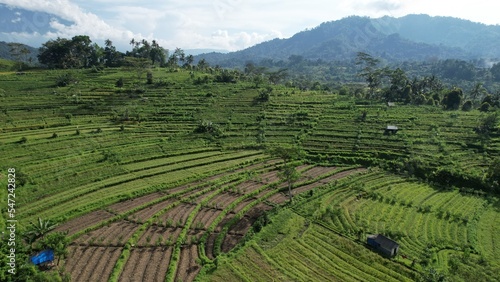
{"x": 230, "y": 241}
{"x": 223, "y": 200}
{"x": 157, "y": 267}
{"x": 91, "y": 263}
{"x": 341, "y": 175}
{"x": 268, "y": 177}
{"x": 114, "y": 234}
{"x": 209, "y": 246}
{"x": 80, "y": 223}
{"x": 224, "y": 221}
{"x": 158, "y": 236}
{"x": 127, "y": 205}
{"x": 144, "y": 214}
{"x": 204, "y": 218}
{"x": 187, "y": 267}
{"x": 242, "y": 205}
{"x": 136, "y": 264}
{"x": 317, "y": 171}
{"x": 177, "y": 216}
{"x": 278, "y": 198}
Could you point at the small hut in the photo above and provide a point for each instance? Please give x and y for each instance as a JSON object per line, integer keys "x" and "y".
{"x": 391, "y": 129}
{"x": 383, "y": 245}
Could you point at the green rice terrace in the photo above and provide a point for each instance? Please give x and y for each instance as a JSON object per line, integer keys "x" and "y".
{"x": 179, "y": 180}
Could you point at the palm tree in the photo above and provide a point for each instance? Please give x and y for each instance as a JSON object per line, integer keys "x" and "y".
{"x": 189, "y": 61}
{"x": 202, "y": 64}
{"x": 38, "y": 230}
{"x": 478, "y": 91}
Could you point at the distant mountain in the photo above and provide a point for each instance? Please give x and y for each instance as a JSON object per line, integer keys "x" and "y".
{"x": 17, "y": 23}
{"x": 479, "y": 40}
{"x": 6, "y": 54}
{"x": 195, "y": 52}
{"x": 410, "y": 38}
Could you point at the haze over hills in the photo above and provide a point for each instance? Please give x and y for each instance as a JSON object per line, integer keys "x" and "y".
{"x": 413, "y": 37}
{"x": 409, "y": 38}
{"x": 6, "y": 54}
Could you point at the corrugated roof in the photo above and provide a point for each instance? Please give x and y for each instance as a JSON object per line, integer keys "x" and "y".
{"x": 385, "y": 242}
{"x": 392, "y": 127}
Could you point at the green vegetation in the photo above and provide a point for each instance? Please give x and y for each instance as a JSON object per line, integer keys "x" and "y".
{"x": 191, "y": 167}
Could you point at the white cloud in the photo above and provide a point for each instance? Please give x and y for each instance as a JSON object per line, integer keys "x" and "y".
{"x": 226, "y": 24}
{"x": 82, "y": 22}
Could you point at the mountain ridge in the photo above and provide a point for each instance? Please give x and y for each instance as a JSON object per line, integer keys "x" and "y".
{"x": 409, "y": 38}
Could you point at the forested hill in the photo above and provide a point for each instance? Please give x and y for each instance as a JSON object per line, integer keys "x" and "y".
{"x": 479, "y": 40}
{"x": 413, "y": 37}
{"x": 6, "y": 52}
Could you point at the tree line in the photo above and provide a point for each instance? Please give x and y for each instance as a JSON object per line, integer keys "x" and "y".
{"x": 81, "y": 52}
{"x": 395, "y": 85}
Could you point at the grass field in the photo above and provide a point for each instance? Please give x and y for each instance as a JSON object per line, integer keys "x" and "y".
{"x": 146, "y": 195}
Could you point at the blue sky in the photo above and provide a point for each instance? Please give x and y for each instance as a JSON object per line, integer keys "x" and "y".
{"x": 208, "y": 24}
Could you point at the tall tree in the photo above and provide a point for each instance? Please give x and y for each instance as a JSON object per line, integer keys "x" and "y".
{"x": 288, "y": 172}
{"x": 189, "y": 61}
{"x": 478, "y": 92}
{"x": 111, "y": 56}
{"x": 370, "y": 70}
{"x": 65, "y": 53}
{"x": 453, "y": 99}
{"x": 202, "y": 64}
{"x": 81, "y": 50}
{"x": 20, "y": 53}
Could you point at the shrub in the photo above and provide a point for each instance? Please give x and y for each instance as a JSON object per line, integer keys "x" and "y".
{"x": 119, "y": 82}
{"x": 265, "y": 94}
{"x": 467, "y": 106}
{"x": 149, "y": 78}
{"x": 207, "y": 126}
{"x": 66, "y": 79}
{"x": 484, "y": 107}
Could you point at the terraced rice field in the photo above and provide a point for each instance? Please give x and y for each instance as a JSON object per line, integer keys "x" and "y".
{"x": 144, "y": 196}
{"x": 200, "y": 215}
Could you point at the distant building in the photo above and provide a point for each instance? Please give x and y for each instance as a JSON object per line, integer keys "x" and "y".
{"x": 391, "y": 129}
{"x": 383, "y": 245}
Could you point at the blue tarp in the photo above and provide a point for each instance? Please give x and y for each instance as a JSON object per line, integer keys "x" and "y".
{"x": 43, "y": 256}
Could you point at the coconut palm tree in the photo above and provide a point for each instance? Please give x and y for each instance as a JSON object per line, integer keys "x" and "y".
{"x": 38, "y": 230}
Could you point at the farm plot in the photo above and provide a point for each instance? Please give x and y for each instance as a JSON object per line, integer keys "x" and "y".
{"x": 114, "y": 234}
{"x": 147, "y": 264}
{"x": 81, "y": 223}
{"x": 422, "y": 219}
{"x": 183, "y": 221}
{"x": 88, "y": 263}
{"x": 188, "y": 268}
{"x": 293, "y": 249}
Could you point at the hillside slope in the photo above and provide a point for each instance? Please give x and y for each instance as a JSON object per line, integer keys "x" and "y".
{"x": 414, "y": 37}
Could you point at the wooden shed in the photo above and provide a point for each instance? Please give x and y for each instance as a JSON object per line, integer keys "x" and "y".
{"x": 383, "y": 245}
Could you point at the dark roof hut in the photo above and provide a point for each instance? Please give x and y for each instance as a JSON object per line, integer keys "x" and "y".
{"x": 383, "y": 245}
